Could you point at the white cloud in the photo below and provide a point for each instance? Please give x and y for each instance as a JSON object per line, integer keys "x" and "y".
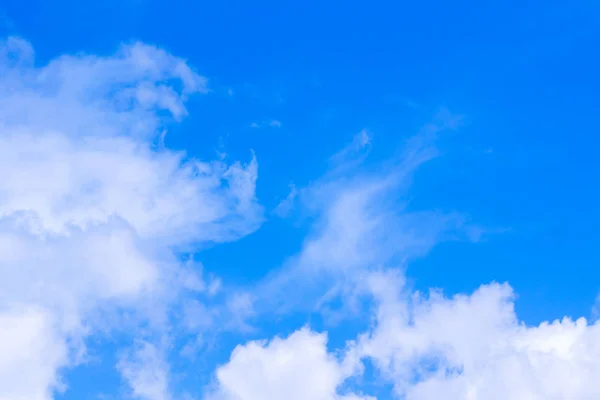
{"x": 295, "y": 368}
{"x": 361, "y": 222}
{"x": 146, "y": 371}
{"x": 286, "y": 205}
{"x": 79, "y": 182}
{"x": 474, "y": 347}
{"x": 468, "y": 347}
{"x": 361, "y": 142}
{"x": 90, "y": 95}
{"x": 31, "y": 348}
{"x": 91, "y": 211}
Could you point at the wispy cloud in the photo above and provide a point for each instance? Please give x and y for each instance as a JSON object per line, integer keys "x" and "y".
{"x": 286, "y": 205}
{"x": 361, "y": 223}
{"x": 359, "y": 145}
{"x": 269, "y": 123}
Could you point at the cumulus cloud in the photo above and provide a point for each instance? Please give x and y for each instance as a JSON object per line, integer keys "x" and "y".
{"x": 426, "y": 345}
{"x": 91, "y": 211}
{"x": 31, "y": 348}
{"x": 475, "y": 347}
{"x": 298, "y": 367}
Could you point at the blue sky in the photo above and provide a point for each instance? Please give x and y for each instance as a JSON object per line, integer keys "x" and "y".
{"x": 182, "y": 178}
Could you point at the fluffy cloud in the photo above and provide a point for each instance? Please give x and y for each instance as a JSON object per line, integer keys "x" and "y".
{"x": 472, "y": 347}
{"x": 66, "y": 183}
{"x": 91, "y": 210}
{"x": 468, "y": 347}
{"x": 295, "y": 368}
{"x": 31, "y": 348}
{"x": 146, "y": 371}
{"x": 127, "y": 93}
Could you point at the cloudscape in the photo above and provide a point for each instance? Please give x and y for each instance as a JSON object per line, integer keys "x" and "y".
{"x": 265, "y": 202}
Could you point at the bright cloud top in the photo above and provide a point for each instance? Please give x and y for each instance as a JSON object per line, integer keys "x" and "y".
{"x": 464, "y": 348}
{"x": 475, "y": 347}
{"x": 297, "y": 367}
